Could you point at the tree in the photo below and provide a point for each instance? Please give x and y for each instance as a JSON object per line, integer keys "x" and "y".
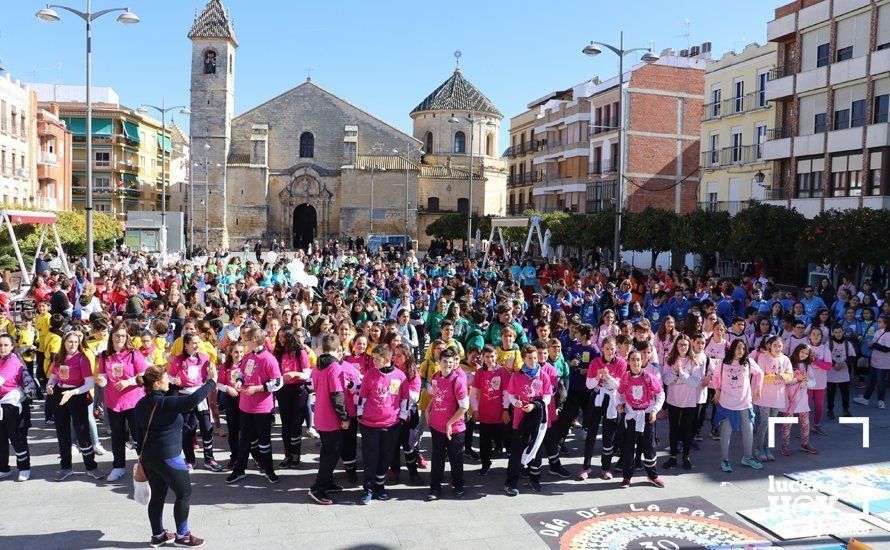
{"x": 701, "y": 232}
{"x": 846, "y": 238}
{"x": 648, "y": 230}
{"x": 765, "y": 232}
{"x": 72, "y": 233}
{"x": 454, "y": 226}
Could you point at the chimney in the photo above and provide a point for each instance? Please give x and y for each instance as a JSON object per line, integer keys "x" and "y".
{"x": 694, "y": 51}
{"x": 596, "y": 80}
{"x": 667, "y": 52}
{"x": 54, "y": 109}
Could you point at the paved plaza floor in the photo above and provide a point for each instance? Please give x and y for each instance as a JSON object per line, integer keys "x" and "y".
{"x": 83, "y": 513}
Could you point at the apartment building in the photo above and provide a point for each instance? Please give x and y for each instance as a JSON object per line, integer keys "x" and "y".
{"x": 18, "y": 168}
{"x": 54, "y": 161}
{"x": 831, "y": 90}
{"x": 735, "y": 121}
{"x": 522, "y": 172}
{"x": 575, "y": 143}
{"x": 128, "y": 149}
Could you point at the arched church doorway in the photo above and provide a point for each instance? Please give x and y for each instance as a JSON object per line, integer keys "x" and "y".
{"x": 305, "y": 225}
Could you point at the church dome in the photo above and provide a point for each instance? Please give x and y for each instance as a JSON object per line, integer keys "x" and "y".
{"x": 457, "y": 94}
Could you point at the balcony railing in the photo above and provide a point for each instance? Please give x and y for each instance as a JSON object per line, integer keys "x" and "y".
{"x": 733, "y": 207}
{"x": 778, "y": 133}
{"x": 777, "y": 193}
{"x": 728, "y": 156}
{"x": 127, "y": 192}
{"x": 80, "y": 190}
{"x": 777, "y": 73}
{"x": 736, "y": 105}
{"x": 46, "y": 203}
{"x": 524, "y": 178}
{"x": 600, "y": 167}
{"x": 523, "y": 148}
{"x": 604, "y": 126}
{"x": 517, "y": 209}
{"x": 4, "y": 124}
{"x": 47, "y": 158}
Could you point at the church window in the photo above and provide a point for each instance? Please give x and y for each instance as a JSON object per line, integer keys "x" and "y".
{"x": 432, "y": 204}
{"x": 463, "y": 205}
{"x": 489, "y": 145}
{"x": 230, "y": 63}
{"x": 429, "y": 142}
{"x": 210, "y": 62}
{"x": 307, "y": 145}
{"x": 460, "y": 142}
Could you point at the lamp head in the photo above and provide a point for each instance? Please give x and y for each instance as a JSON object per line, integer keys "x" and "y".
{"x": 454, "y": 120}
{"x": 591, "y": 49}
{"x": 128, "y": 18}
{"x": 142, "y": 110}
{"x": 185, "y": 111}
{"x": 48, "y": 14}
{"x": 759, "y": 177}
{"x": 650, "y": 57}
{"x": 206, "y": 146}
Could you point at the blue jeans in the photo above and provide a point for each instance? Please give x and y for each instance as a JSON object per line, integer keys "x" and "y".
{"x": 876, "y": 377}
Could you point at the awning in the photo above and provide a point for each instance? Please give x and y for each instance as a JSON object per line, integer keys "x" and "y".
{"x": 27, "y": 216}
{"x": 165, "y": 143}
{"x": 131, "y": 131}
{"x": 129, "y": 177}
{"x": 101, "y": 126}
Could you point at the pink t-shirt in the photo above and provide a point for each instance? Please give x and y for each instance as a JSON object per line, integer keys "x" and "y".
{"x": 616, "y": 367}
{"x": 821, "y": 365}
{"x": 382, "y": 394}
{"x": 295, "y": 362}
{"x": 117, "y": 367}
{"x": 74, "y": 372}
{"x": 349, "y": 373}
{"x": 839, "y": 354}
{"x": 229, "y": 375}
{"x": 191, "y": 371}
{"x": 10, "y": 374}
{"x": 684, "y": 387}
{"x": 257, "y": 369}
{"x": 639, "y": 391}
{"x": 363, "y": 362}
{"x": 735, "y": 383}
{"x": 446, "y": 392}
{"x": 325, "y": 382}
{"x": 775, "y": 371}
{"x": 490, "y": 385}
{"x": 549, "y": 371}
{"x": 717, "y": 351}
{"x": 797, "y": 398}
{"x": 527, "y": 389}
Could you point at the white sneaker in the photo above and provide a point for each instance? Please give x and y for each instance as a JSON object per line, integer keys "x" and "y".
{"x": 116, "y": 474}
{"x": 312, "y": 432}
{"x": 861, "y": 400}
{"x": 24, "y": 475}
{"x": 881, "y": 405}
{"x": 99, "y": 449}
{"x": 4, "y": 475}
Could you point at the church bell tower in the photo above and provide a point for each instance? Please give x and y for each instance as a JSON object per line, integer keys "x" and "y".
{"x": 212, "y": 106}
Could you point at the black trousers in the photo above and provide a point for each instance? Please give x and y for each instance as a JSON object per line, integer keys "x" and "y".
{"x": 293, "y": 406}
{"x": 404, "y": 447}
{"x": 350, "y": 445}
{"x": 682, "y": 425}
{"x": 844, "y": 387}
{"x": 576, "y": 402}
{"x": 191, "y": 422}
{"x": 514, "y": 464}
{"x": 490, "y": 436}
{"x": 120, "y": 423}
{"x": 233, "y": 421}
{"x": 75, "y": 410}
{"x": 161, "y": 478}
{"x": 611, "y": 428}
{"x": 638, "y": 441}
{"x": 453, "y": 449}
{"x": 378, "y": 446}
{"x": 468, "y": 434}
{"x": 594, "y": 416}
{"x": 703, "y": 410}
{"x": 12, "y": 434}
{"x": 256, "y": 431}
{"x": 331, "y": 449}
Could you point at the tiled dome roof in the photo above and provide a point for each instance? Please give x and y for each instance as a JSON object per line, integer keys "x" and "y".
{"x": 213, "y": 22}
{"x": 457, "y": 94}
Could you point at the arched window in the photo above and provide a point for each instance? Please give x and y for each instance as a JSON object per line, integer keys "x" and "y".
{"x": 307, "y": 145}
{"x": 432, "y": 204}
{"x": 429, "y": 142}
{"x": 463, "y": 205}
{"x": 210, "y": 62}
{"x": 489, "y": 145}
{"x": 460, "y": 142}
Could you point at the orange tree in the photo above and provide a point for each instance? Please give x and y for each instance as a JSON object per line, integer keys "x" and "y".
{"x": 765, "y": 232}
{"x": 847, "y": 238}
{"x": 649, "y": 230}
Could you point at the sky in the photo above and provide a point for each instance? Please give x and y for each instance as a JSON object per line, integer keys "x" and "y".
{"x": 384, "y": 56}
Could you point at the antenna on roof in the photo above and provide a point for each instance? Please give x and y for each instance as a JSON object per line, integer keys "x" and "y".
{"x": 687, "y": 23}
{"x": 309, "y": 74}
{"x": 457, "y": 56}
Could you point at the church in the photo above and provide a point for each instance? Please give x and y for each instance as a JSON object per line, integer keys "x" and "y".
{"x": 308, "y": 165}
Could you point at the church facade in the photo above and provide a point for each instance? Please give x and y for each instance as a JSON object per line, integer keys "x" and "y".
{"x": 307, "y": 165}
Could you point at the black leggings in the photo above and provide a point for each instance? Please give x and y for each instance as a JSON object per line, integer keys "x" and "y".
{"x": 11, "y": 433}
{"x": 293, "y": 406}
{"x": 577, "y": 401}
{"x": 256, "y": 430}
{"x": 682, "y": 424}
{"x": 233, "y": 421}
{"x": 161, "y": 477}
{"x": 350, "y": 445}
{"x": 595, "y": 415}
{"x": 121, "y": 422}
{"x": 74, "y": 410}
{"x": 192, "y": 421}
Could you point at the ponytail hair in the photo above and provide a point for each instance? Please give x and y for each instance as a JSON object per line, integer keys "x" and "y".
{"x": 148, "y": 378}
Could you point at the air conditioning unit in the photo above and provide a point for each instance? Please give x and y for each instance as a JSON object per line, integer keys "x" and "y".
{"x": 21, "y": 172}
{"x": 694, "y": 51}
{"x": 705, "y": 47}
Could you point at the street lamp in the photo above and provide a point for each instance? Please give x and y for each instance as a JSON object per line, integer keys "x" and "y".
{"x": 163, "y": 109}
{"x": 759, "y": 177}
{"x": 49, "y": 15}
{"x": 206, "y": 200}
{"x": 374, "y": 168}
{"x": 408, "y": 153}
{"x": 473, "y": 122}
{"x": 594, "y": 49}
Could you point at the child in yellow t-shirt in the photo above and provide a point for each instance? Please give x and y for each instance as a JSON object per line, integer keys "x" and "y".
{"x": 52, "y": 343}
{"x": 161, "y": 329}
{"x": 509, "y": 356}
{"x": 428, "y": 369}
{"x": 41, "y": 322}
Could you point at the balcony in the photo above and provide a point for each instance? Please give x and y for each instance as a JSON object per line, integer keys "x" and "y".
{"x": 518, "y": 209}
{"x": 4, "y": 124}
{"x": 601, "y": 195}
{"x": 600, "y": 167}
{"x": 777, "y": 193}
{"x": 604, "y": 126}
{"x": 780, "y": 83}
{"x": 524, "y": 178}
{"x": 733, "y": 207}
{"x": 522, "y": 149}
{"x": 79, "y": 190}
{"x": 47, "y": 203}
{"x": 732, "y": 156}
{"x": 127, "y": 192}
{"x": 47, "y": 158}
{"x": 732, "y": 106}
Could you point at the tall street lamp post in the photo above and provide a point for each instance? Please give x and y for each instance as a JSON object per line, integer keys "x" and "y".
{"x": 593, "y": 49}
{"x": 163, "y": 109}
{"x": 49, "y": 15}
{"x": 408, "y": 152}
{"x": 473, "y": 122}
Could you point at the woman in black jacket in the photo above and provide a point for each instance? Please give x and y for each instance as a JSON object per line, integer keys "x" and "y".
{"x": 162, "y": 457}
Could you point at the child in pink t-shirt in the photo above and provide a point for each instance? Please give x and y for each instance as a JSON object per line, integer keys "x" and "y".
{"x": 843, "y": 356}
{"x": 602, "y": 379}
{"x": 639, "y": 397}
{"x": 449, "y": 401}
{"x": 737, "y": 382}
{"x": 821, "y": 355}
{"x": 488, "y": 405}
{"x": 796, "y": 400}
{"x": 331, "y": 417}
